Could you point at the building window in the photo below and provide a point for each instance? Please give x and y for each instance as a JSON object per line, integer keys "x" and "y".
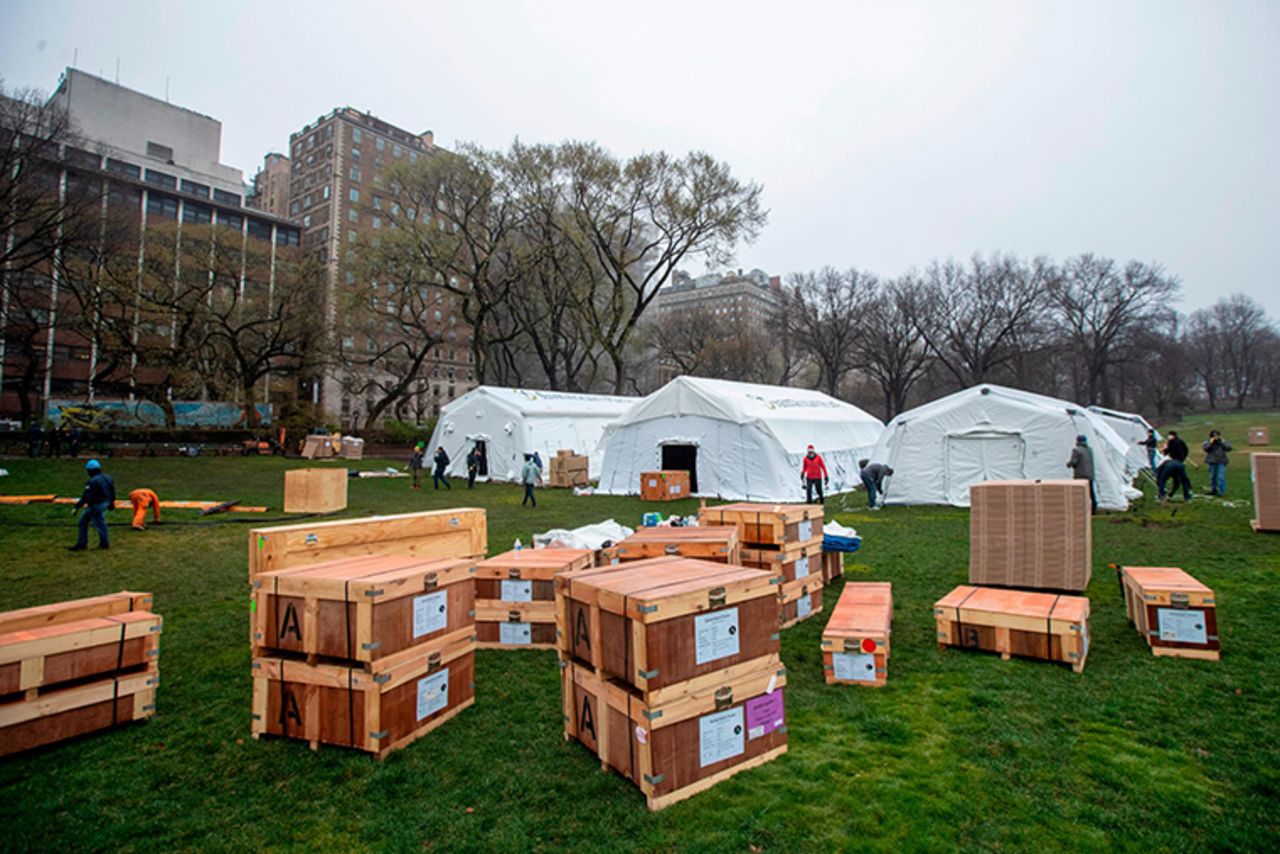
{"x": 377, "y": 203}
{"x": 222, "y": 197}
{"x": 351, "y": 278}
{"x": 325, "y": 192}
{"x": 411, "y": 213}
{"x": 355, "y": 173}
{"x": 377, "y": 222}
{"x": 162, "y": 206}
{"x": 354, "y": 194}
{"x": 396, "y": 150}
{"x": 287, "y": 237}
{"x": 196, "y": 213}
{"x": 413, "y": 156}
{"x": 296, "y": 207}
{"x": 306, "y": 221}
{"x": 353, "y": 215}
{"x": 297, "y": 149}
{"x": 380, "y": 143}
{"x": 356, "y": 134}
{"x": 351, "y": 236}
{"x": 119, "y": 167}
{"x": 194, "y": 189}
{"x": 355, "y": 153}
{"x": 160, "y": 179}
{"x": 306, "y": 200}
{"x": 230, "y": 220}
{"x": 159, "y": 152}
{"x": 259, "y": 229}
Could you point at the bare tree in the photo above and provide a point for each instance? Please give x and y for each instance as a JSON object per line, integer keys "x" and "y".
{"x": 1229, "y": 343}
{"x": 823, "y": 312}
{"x": 888, "y": 347}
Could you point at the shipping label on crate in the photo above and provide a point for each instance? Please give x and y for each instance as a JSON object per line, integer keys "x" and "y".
{"x": 802, "y": 567}
{"x": 804, "y": 605}
{"x": 764, "y": 714}
{"x": 674, "y": 489}
{"x": 715, "y": 635}
{"x": 517, "y": 591}
{"x": 430, "y": 613}
{"x": 433, "y": 693}
{"x": 1182, "y": 626}
{"x": 515, "y": 633}
{"x": 653, "y": 484}
{"x": 858, "y": 666}
{"x": 805, "y": 530}
{"x": 720, "y": 736}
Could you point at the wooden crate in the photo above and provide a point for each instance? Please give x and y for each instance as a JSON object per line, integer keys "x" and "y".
{"x": 768, "y": 526}
{"x": 1259, "y": 436}
{"x": 656, "y": 623}
{"x": 362, "y": 609}
{"x": 1050, "y": 626}
{"x": 1175, "y": 614}
{"x": 316, "y": 447}
{"x": 72, "y": 610}
{"x": 458, "y": 533}
{"x": 38, "y": 658}
{"x": 791, "y": 562}
{"x": 699, "y": 541}
{"x": 1265, "y": 469}
{"x": 569, "y": 470}
{"x": 721, "y": 724}
{"x": 516, "y": 596}
{"x": 66, "y": 712}
{"x": 832, "y": 566}
{"x": 800, "y": 600}
{"x": 664, "y": 485}
{"x": 855, "y": 642}
{"x": 315, "y": 490}
{"x": 1031, "y": 534}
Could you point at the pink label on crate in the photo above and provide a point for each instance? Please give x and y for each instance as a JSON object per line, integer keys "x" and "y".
{"x": 764, "y": 714}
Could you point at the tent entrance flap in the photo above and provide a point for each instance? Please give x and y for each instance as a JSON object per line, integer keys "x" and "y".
{"x": 682, "y": 458}
{"x": 977, "y": 457}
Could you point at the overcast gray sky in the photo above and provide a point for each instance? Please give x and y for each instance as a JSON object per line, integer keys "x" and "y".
{"x": 885, "y": 134}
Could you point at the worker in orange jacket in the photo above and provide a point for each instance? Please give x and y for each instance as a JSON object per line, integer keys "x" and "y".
{"x": 141, "y": 499}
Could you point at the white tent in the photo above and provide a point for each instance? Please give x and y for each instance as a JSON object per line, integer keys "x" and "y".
{"x": 988, "y": 432}
{"x": 1130, "y": 427}
{"x": 739, "y": 441}
{"x": 512, "y": 422}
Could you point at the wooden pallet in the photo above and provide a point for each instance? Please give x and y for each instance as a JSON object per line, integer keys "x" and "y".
{"x": 38, "y": 658}
{"x": 1173, "y": 612}
{"x": 791, "y": 562}
{"x": 800, "y": 600}
{"x": 1013, "y": 622}
{"x": 855, "y": 642}
{"x": 664, "y": 485}
{"x": 63, "y": 713}
{"x": 768, "y": 526}
{"x": 699, "y": 542}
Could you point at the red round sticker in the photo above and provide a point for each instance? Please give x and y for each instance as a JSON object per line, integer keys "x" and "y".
{"x": 868, "y": 645}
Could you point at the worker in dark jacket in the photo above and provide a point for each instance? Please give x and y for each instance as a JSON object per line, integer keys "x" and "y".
{"x": 473, "y": 466}
{"x": 416, "y": 462}
{"x": 1081, "y": 465}
{"x": 813, "y": 471}
{"x": 1176, "y": 449}
{"x": 1215, "y": 456}
{"x": 1151, "y": 443}
{"x": 1176, "y": 471}
{"x": 873, "y": 475}
{"x": 438, "y": 476}
{"x": 99, "y": 496}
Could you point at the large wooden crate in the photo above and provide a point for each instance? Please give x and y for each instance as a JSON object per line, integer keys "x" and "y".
{"x": 1265, "y": 469}
{"x": 569, "y": 470}
{"x": 656, "y": 623}
{"x": 38, "y": 658}
{"x": 1031, "y": 534}
{"x": 855, "y": 642}
{"x": 721, "y": 724}
{"x": 315, "y": 490}
{"x": 832, "y": 566}
{"x": 703, "y": 542}
{"x": 1259, "y": 436}
{"x": 457, "y": 533}
{"x": 793, "y": 562}
{"x": 800, "y": 600}
{"x": 77, "y": 709}
{"x": 775, "y": 526}
{"x": 664, "y": 485}
{"x": 362, "y": 609}
{"x": 377, "y": 710}
{"x": 1015, "y": 622}
{"x": 516, "y": 596}
{"x": 1175, "y": 614}
{"x": 72, "y": 610}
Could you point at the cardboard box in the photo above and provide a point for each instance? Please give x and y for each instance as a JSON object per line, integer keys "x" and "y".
{"x": 1031, "y": 534}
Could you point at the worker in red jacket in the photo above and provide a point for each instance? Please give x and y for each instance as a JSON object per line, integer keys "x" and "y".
{"x": 813, "y": 471}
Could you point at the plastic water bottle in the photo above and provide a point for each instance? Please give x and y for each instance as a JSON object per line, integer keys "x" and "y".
{"x": 518, "y": 545}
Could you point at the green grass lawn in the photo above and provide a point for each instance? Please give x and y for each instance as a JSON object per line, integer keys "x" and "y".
{"x": 960, "y": 750}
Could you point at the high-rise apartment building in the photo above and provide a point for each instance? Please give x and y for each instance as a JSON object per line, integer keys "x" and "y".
{"x": 271, "y": 186}
{"x": 747, "y": 299}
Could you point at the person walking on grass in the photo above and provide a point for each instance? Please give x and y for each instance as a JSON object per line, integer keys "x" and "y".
{"x": 99, "y": 496}
{"x": 473, "y": 466}
{"x": 1081, "y": 465}
{"x": 813, "y": 473}
{"x": 142, "y": 500}
{"x": 873, "y": 475}
{"x": 1151, "y": 443}
{"x": 35, "y": 440}
{"x": 416, "y": 462}
{"x": 438, "y": 476}
{"x": 1215, "y": 456}
{"x": 529, "y": 476}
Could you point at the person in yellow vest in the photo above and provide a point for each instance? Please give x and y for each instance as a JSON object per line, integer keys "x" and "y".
{"x": 141, "y": 499}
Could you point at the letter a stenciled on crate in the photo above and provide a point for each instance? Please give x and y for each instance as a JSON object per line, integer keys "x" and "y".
{"x": 289, "y": 624}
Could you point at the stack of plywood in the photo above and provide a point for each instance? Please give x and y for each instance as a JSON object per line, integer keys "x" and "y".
{"x": 855, "y": 642}
{"x": 1266, "y": 491}
{"x": 516, "y": 597}
{"x": 1015, "y": 622}
{"x": 1259, "y": 436}
{"x": 76, "y": 667}
{"x": 1031, "y": 534}
{"x": 664, "y": 485}
{"x": 1175, "y": 614}
{"x": 568, "y": 469}
{"x": 671, "y": 672}
{"x": 704, "y": 542}
{"x": 315, "y": 490}
{"x": 785, "y": 539}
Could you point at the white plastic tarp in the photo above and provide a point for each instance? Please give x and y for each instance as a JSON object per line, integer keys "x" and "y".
{"x": 1132, "y": 428}
{"x": 585, "y": 537}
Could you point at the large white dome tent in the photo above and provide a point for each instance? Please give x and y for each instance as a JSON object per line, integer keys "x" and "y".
{"x": 511, "y": 422}
{"x": 739, "y": 441}
{"x": 989, "y": 432}
{"x": 1132, "y": 428}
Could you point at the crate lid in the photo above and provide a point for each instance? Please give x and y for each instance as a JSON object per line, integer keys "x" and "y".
{"x": 745, "y": 509}
{"x": 864, "y": 608}
{"x": 693, "y": 534}
{"x": 1164, "y": 578}
{"x": 366, "y": 577}
{"x": 663, "y": 588}
{"x": 537, "y": 564}
{"x": 1016, "y": 603}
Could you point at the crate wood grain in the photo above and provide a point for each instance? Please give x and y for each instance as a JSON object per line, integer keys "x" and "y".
{"x": 66, "y": 712}
{"x": 315, "y": 490}
{"x": 703, "y": 542}
{"x": 1265, "y": 469}
{"x": 37, "y": 658}
{"x": 664, "y": 485}
{"x": 1031, "y": 534}
{"x": 719, "y": 726}
{"x": 458, "y": 533}
{"x": 1173, "y": 612}
{"x": 855, "y": 641}
{"x": 72, "y": 610}
{"x": 375, "y": 711}
{"x": 659, "y": 622}
{"x": 768, "y": 526}
{"x": 1049, "y": 626}
{"x": 516, "y": 596}
{"x": 792, "y": 562}
{"x": 1259, "y": 436}
{"x": 832, "y": 566}
{"x": 362, "y": 609}
{"x": 800, "y": 600}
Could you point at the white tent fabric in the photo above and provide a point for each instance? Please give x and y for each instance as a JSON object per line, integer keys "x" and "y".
{"x": 513, "y": 422}
{"x": 988, "y": 432}
{"x": 1130, "y": 427}
{"x": 746, "y": 440}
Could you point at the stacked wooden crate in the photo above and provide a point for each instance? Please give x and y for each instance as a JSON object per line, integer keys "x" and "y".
{"x": 315, "y": 490}
{"x": 516, "y": 596}
{"x": 786, "y": 540}
{"x": 704, "y": 542}
{"x": 76, "y": 667}
{"x": 664, "y": 485}
{"x": 671, "y": 672}
{"x": 568, "y": 469}
{"x": 832, "y": 566}
{"x": 855, "y": 642}
{"x": 1031, "y": 534}
{"x": 1265, "y": 469}
{"x": 1175, "y": 614}
{"x": 1259, "y": 436}
{"x": 1054, "y": 627}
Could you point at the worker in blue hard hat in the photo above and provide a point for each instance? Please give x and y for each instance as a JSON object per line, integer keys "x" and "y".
{"x": 99, "y": 496}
